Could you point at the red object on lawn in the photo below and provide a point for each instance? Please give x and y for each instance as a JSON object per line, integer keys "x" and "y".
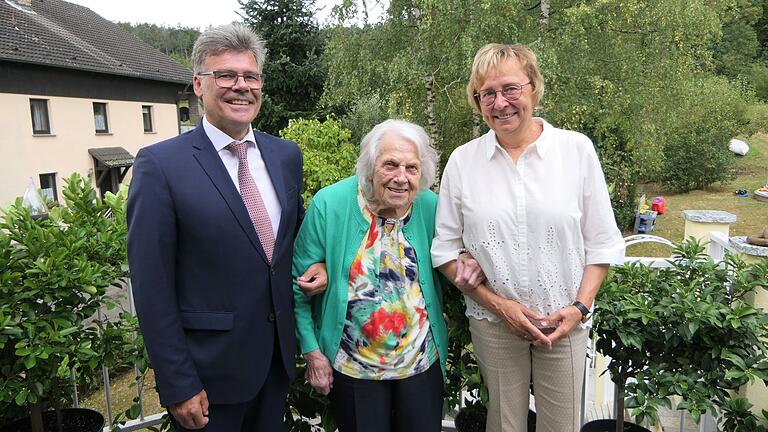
{"x": 657, "y": 205}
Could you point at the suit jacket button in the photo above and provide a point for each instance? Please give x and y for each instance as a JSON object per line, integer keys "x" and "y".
{"x": 272, "y": 271}
{"x": 271, "y": 317}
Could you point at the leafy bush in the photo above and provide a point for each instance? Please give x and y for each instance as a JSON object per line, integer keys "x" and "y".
{"x": 328, "y": 154}
{"x": 328, "y": 158}
{"x": 695, "y": 140}
{"x": 758, "y": 119}
{"x": 54, "y": 275}
{"x": 462, "y": 371}
{"x": 686, "y": 330}
{"x": 759, "y": 79}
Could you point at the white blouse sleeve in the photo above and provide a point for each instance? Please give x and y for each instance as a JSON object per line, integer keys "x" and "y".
{"x": 449, "y": 223}
{"x": 603, "y": 242}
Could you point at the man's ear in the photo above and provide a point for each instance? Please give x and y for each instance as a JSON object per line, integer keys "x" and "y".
{"x": 197, "y": 86}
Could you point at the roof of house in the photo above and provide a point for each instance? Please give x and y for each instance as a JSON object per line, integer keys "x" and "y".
{"x": 61, "y": 34}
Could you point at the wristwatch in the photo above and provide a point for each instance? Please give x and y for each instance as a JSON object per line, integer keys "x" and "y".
{"x": 585, "y": 312}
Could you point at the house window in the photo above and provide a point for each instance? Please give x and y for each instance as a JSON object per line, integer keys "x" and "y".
{"x": 48, "y": 186}
{"x": 100, "y": 117}
{"x": 146, "y": 115}
{"x": 39, "y": 109}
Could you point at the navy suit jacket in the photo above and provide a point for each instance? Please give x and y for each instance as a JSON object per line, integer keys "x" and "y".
{"x": 209, "y": 303}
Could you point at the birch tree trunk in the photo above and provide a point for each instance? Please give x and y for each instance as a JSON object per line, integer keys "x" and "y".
{"x": 429, "y": 84}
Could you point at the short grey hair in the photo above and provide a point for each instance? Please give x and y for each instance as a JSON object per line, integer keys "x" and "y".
{"x": 369, "y": 151}
{"x": 229, "y": 37}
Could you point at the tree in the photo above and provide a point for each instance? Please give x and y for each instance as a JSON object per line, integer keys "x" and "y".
{"x": 739, "y": 46}
{"x": 175, "y": 42}
{"x": 294, "y": 71}
{"x": 54, "y": 276}
{"x": 614, "y": 70}
{"x": 610, "y": 68}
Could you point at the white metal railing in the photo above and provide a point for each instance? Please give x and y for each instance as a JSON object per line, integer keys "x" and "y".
{"x": 717, "y": 248}
{"x": 143, "y": 421}
{"x": 131, "y": 425}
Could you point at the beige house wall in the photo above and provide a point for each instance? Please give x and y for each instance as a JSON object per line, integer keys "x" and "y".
{"x": 65, "y": 150}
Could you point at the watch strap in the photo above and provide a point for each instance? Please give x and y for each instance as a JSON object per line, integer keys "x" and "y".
{"x": 583, "y": 309}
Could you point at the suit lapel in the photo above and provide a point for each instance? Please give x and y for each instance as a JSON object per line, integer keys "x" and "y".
{"x": 211, "y": 163}
{"x": 271, "y": 156}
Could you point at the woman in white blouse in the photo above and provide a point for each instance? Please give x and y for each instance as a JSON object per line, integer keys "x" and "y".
{"x": 529, "y": 202}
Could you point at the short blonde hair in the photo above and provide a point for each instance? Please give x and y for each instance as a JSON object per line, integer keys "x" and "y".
{"x": 491, "y": 56}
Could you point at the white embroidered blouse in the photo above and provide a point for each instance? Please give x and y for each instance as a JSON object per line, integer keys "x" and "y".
{"x": 532, "y": 226}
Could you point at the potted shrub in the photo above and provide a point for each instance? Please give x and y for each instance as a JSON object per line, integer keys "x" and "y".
{"x": 686, "y": 330}
{"x": 54, "y": 274}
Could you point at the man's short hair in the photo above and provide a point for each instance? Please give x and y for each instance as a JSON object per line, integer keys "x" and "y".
{"x": 229, "y": 37}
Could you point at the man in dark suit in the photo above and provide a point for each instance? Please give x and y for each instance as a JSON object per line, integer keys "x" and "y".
{"x": 212, "y": 216}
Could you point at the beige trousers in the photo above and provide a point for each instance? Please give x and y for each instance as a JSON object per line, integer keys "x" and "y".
{"x": 508, "y": 363}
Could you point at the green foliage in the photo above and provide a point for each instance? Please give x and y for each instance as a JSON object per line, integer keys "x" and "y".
{"x": 738, "y": 45}
{"x": 685, "y": 330}
{"x": 758, "y": 118}
{"x": 175, "y": 42}
{"x": 305, "y": 403}
{"x": 295, "y": 74}
{"x": 364, "y": 115}
{"x": 594, "y": 85}
{"x": 328, "y": 158}
{"x": 55, "y": 274}
{"x": 621, "y": 101}
{"x": 462, "y": 371}
{"x": 328, "y": 154}
{"x": 695, "y": 141}
{"x": 758, "y": 77}
{"x": 739, "y": 417}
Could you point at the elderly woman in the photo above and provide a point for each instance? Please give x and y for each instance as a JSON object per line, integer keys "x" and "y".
{"x": 529, "y": 201}
{"x": 375, "y": 340}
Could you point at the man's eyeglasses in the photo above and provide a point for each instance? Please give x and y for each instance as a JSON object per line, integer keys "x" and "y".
{"x": 509, "y": 92}
{"x": 228, "y": 79}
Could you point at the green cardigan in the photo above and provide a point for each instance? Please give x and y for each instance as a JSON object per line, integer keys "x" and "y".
{"x": 332, "y": 231}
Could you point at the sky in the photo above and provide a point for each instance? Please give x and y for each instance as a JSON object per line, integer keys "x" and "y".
{"x": 172, "y": 13}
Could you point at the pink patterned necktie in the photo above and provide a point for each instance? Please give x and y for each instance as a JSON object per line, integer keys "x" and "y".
{"x": 252, "y": 199}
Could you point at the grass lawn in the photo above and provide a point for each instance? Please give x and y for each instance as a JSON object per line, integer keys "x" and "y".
{"x": 751, "y": 215}
{"x": 122, "y": 393}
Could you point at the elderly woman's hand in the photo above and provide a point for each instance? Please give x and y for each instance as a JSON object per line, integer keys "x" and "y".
{"x": 565, "y": 320}
{"x": 319, "y": 373}
{"x": 468, "y": 272}
{"x": 314, "y": 280}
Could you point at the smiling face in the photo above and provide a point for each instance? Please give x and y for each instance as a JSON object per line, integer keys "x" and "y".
{"x": 511, "y": 120}
{"x": 396, "y": 176}
{"x": 229, "y": 109}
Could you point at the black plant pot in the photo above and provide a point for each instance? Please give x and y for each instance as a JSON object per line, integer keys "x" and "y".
{"x": 72, "y": 419}
{"x": 472, "y": 419}
{"x": 609, "y": 425}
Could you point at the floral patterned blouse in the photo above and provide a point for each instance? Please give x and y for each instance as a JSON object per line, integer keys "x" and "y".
{"x": 386, "y": 332}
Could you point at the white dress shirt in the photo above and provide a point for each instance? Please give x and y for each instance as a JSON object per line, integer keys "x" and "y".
{"x": 532, "y": 226}
{"x": 258, "y": 170}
